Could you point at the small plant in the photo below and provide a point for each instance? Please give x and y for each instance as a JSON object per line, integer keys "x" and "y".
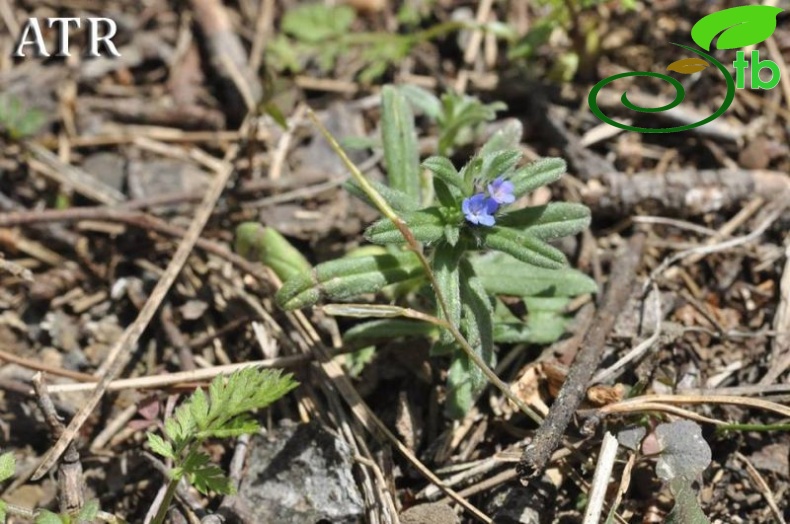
{"x": 467, "y": 213}
{"x": 320, "y": 34}
{"x": 458, "y": 117}
{"x": 16, "y": 120}
{"x": 583, "y": 30}
{"x": 682, "y": 455}
{"x": 225, "y": 412}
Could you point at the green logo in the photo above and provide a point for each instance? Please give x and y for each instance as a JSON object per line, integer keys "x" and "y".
{"x": 736, "y": 27}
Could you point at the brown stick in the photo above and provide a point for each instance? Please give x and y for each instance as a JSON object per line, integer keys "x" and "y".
{"x": 70, "y": 496}
{"x": 548, "y": 436}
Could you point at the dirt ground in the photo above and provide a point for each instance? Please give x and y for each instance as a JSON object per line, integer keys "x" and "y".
{"x": 122, "y": 174}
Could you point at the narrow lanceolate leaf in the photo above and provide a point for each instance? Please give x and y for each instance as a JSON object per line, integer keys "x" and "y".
{"x": 465, "y": 380}
{"x": 426, "y": 226}
{"x": 524, "y": 247}
{"x": 265, "y": 245}
{"x": 524, "y": 280}
{"x": 537, "y": 174}
{"x": 400, "y": 143}
{"x": 445, "y": 268}
{"x": 508, "y": 137}
{"x": 555, "y": 220}
{"x": 424, "y": 101}
{"x": 443, "y": 169}
{"x": 398, "y": 200}
{"x": 389, "y": 328}
{"x": 348, "y": 277}
{"x": 499, "y": 163}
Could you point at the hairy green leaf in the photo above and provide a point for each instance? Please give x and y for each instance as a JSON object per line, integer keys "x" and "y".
{"x": 443, "y": 169}
{"x": 537, "y": 174}
{"x": 426, "y": 225}
{"x": 499, "y": 163}
{"x": 398, "y": 200}
{"x": 554, "y": 220}
{"x": 477, "y": 328}
{"x": 400, "y": 143}
{"x": 348, "y": 277}
{"x": 389, "y": 328}
{"x": 506, "y": 138}
{"x": 445, "y": 268}
{"x": 264, "y": 244}
{"x": 524, "y": 247}
{"x": 423, "y": 100}
{"x": 502, "y": 274}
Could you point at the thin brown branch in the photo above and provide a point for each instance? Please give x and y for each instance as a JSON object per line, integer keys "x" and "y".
{"x": 548, "y": 436}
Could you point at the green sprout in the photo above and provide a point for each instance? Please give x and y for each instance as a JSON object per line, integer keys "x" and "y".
{"x": 225, "y": 412}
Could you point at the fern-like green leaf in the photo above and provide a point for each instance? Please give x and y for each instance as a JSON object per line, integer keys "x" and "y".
{"x": 7, "y": 466}
{"x": 160, "y": 446}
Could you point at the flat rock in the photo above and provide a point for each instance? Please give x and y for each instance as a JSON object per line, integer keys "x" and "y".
{"x": 301, "y": 474}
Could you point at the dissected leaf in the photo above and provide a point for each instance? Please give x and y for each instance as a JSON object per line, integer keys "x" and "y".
{"x": 688, "y": 66}
{"x": 160, "y": 446}
{"x": 88, "y": 512}
{"x": 684, "y": 453}
{"x": 400, "y": 143}
{"x": 317, "y": 22}
{"x": 7, "y": 466}
{"x": 739, "y": 26}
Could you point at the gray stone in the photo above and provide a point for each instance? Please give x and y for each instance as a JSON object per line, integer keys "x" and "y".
{"x": 301, "y": 475}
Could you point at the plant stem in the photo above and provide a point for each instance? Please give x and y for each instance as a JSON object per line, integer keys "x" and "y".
{"x": 161, "y": 513}
{"x": 388, "y": 212}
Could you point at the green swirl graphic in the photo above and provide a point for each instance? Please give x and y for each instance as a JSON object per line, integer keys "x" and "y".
{"x": 679, "y": 96}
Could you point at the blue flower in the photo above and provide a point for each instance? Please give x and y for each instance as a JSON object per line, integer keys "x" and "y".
{"x": 479, "y": 209}
{"x": 501, "y": 191}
